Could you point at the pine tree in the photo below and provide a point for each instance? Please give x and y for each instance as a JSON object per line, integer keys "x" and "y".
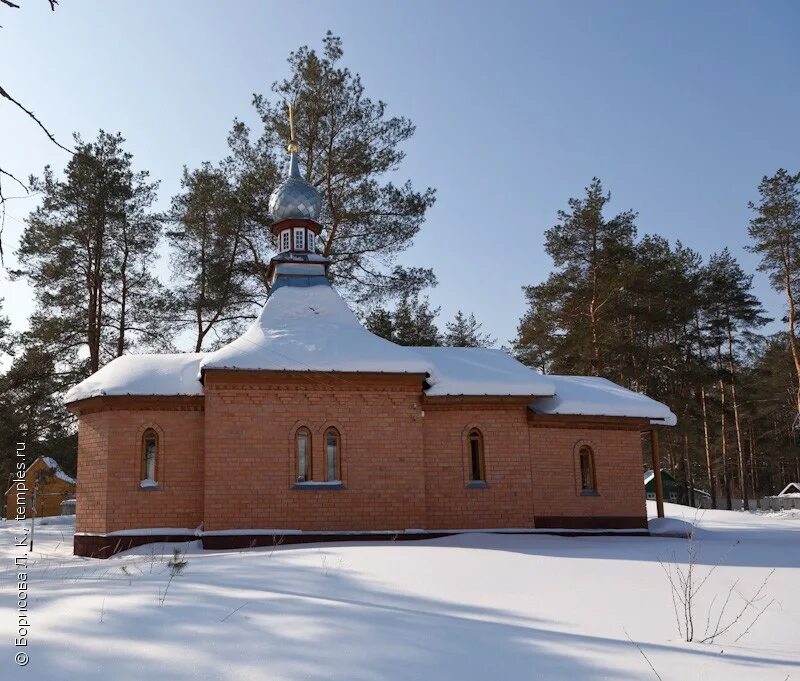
{"x": 770, "y": 384}
{"x": 588, "y": 249}
{"x": 348, "y": 148}
{"x": 663, "y": 326}
{"x": 775, "y": 231}
{"x": 88, "y": 251}
{"x": 413, "y": 322}
{"x": 379, "y": 321}
{"x": 31, "y": 411}
{"x": 540, "y": 342}
{"x": 734, "y": 312}
{"x": 5, "y": 327}
{"x": 465, "y": 332}
{"x": 580, "y": 297}
{"x": 213, "y": 292}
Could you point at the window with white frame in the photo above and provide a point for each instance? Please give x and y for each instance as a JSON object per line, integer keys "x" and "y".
{"x": 298, "y": 239}
{"x": 285, "y": 240}
{"x": 303, "y": 456}
{"x": 310, "y": 240}
{"x": 149, "y": 453}
{"x": 332, "y": 455}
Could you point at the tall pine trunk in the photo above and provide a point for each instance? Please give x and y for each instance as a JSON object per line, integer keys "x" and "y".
{"x": 753, "y": 475}
{"x": 687, "y": 456}
{"x": 792, "y": 317}
{"x": 712, "y": 487}
{"x": 726, "y": 483}
{"x": 95, "y": 305}
{"x": 737, "y": 425}
{"x": 123, "y": 300}
{"x": 709, "y": 468}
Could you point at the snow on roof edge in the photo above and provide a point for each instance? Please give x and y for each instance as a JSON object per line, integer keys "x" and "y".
{"x": 596, "y": 396}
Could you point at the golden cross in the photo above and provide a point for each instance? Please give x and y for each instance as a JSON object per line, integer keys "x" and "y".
{"x": 292, "y": 148}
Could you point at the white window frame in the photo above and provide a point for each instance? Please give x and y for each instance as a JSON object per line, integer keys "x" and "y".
{"x": 299, "y": 244}
{"x": 310, "y": 241}
{"x": 286, "y": 240}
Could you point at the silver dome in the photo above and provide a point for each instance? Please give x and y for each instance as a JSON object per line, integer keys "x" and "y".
{"x": 294, "y": 197}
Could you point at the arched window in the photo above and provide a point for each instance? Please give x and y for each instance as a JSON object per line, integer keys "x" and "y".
{"x": 476, "y": 467}
{"x": 588, "y": 478}
{"x": 149, "y": 454}
{"x": 333, "y": 470}
{"x": 303, "y": 443}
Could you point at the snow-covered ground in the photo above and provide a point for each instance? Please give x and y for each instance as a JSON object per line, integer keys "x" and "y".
{"x": 473, "y": 606}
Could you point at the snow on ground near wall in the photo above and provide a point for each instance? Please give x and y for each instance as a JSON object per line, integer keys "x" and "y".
{"x": 466, "y": 607}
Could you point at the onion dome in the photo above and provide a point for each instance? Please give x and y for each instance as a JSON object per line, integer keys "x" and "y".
{"x": 295, "y": 198}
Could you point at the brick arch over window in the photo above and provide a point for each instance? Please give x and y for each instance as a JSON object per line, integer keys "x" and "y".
{"x": 473, "y": 445}
{"x": 584, "y": 459}
{"x": 150, "y": 459}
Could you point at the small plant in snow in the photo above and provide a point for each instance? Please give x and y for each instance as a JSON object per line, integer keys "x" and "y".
{"x": 176, "y": 564}
{"x": 276, "y": 542}
{"x": 733, "y": 614}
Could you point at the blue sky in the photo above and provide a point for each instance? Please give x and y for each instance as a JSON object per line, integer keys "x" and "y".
{"x": 680, "y": 108}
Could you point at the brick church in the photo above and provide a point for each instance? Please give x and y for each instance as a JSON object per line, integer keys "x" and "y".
{"x": 309, "y": 427}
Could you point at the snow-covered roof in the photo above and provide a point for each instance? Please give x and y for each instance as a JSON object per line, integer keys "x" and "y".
{"x": 54, "y": 467}
{"x": 175, "y": 374}
{"x": 310, "y": 328}
{"x": 594, "y": 396}
{"x": 648, "y": 475}
{"x": 793, "y": 488}
{"x": 306, "y": 326}
{"x": 480, "y": 371}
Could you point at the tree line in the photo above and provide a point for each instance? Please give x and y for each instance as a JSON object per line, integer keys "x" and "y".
{"x": 653, "y": 316}
{"x": 659, "y": 318}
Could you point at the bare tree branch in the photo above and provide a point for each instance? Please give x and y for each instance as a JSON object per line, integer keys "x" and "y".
{"x": 647, "y": 659}
{"x": 3, "y": 207}
{"x": 4, "y": 93}
{"x": 8, "y": 3}
{"x": 16, "y": 179}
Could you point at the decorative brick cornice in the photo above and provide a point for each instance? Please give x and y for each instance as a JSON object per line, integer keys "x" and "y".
{"x": 461, "y": 402}
{"x": 137, "y": 403}
{"x": 588, "y": 422}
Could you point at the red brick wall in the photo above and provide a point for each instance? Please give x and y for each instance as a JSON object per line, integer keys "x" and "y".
{"x": 232, "y": 465}
{"x": 91, "y": 491}
{"x": 506, "y": 501}
{"x": 109, "y": 497}
{"x": 556, "y": 474}
{"x": 250, "y": 464}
